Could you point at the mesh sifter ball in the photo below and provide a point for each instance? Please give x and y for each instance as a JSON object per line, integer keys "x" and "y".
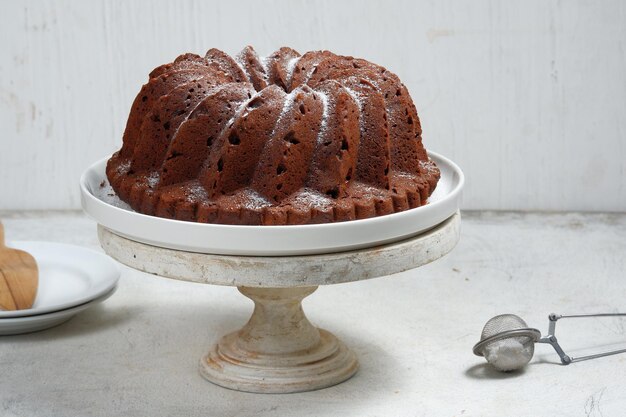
{"x": 511, "y": 351}
{"x": 509, "y": 344}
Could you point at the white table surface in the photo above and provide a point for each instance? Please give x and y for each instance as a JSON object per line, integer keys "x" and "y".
{"x": 137, "y": 353}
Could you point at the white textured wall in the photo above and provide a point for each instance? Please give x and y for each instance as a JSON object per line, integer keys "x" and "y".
{"x": 529, "y": 97}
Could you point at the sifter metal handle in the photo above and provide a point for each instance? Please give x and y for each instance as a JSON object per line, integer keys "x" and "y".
{"x": 551, "y": 339}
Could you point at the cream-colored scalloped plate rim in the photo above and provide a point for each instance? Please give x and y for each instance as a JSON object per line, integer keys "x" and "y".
{"x": 270, "y": 240}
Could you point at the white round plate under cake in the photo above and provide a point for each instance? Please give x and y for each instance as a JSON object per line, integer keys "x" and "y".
{"x": 101, "y": 203}
{"x": 71, "y": 279}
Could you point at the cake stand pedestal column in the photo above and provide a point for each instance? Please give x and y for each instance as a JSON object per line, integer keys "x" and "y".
{"x": 278, "y": 350}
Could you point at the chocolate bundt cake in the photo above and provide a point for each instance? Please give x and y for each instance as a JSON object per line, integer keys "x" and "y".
{"x": 287, "y": 139}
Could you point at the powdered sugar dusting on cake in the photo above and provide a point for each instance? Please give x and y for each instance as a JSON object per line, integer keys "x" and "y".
{"x": 358, "y": 98}
{"x": 311, "y": 70}
{"x": 246, "y": 198}
{"x": 403, "y": 175}
{"x": 153, "y": 179}
{"x": 355, "y": 95}
{"x": 196, "y": 191}
{"x": 289, "y": 100}
{"x": 190, "y": 114}
{"x": 243, "y": 107}
{"x": 428, "y": 166}
{"x": 291, "y": 66}
{"x": 123, "y": 167}
{"x": 212, "y": 92}
{"x": 240, "y": 60}
{"x": 311, "y": 198}
{"x": 367, "y": 189}
{"x": 325, "y": 115}
{"x": 253, "y": 200}
{"x": 219, "y": 64}
{"x": 265, "y": 63}
{"x": 247, "y": 60}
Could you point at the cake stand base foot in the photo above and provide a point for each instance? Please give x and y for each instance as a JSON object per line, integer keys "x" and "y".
{"x": 278, "y": 350}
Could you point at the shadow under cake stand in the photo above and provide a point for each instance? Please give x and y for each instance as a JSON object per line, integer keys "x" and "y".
{"x": 279, "y": 350}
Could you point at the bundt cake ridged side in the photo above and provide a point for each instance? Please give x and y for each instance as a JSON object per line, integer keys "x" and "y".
{"x": 287, "y": 139}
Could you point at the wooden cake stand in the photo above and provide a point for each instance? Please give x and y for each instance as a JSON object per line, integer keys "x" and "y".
{"x": 279, "y": 350}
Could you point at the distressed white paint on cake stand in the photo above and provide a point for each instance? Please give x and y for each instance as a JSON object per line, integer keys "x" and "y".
{"x": 279, "y": 350}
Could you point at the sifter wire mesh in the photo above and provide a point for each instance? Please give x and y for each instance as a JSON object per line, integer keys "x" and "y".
{"x": 510, "y": 353}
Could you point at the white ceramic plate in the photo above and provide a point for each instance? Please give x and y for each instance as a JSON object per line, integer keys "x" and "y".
{"x": 269, "y": 240}
{"x": 68, "y": 276}
{"x": 28, "y": 324}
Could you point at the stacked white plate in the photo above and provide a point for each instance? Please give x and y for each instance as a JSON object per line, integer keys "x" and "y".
{"x": 71, "y": 279}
